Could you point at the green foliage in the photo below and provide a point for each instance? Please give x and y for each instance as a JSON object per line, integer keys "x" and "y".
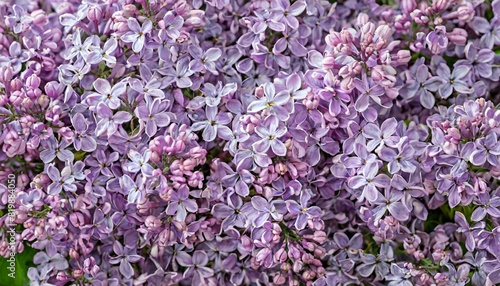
{"x": 23, "y": 262}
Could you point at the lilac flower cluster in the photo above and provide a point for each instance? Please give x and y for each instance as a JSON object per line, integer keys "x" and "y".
{"x": 268, "y": 142}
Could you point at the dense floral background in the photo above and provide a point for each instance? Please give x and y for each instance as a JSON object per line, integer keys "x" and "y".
{"x": 265, "y": 142}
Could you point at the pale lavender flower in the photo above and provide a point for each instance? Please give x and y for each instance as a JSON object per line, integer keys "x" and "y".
{"x": 133, "y": 189}
{"x": 56, "y": 149}
{"x": 17, "y": 56}
{"x": 204, "y": 60}
{"x": 196, "y": 266}
{"x": 139, "y": 163}
{"x": 215, "y": 122}
{"x": 381, "y": 136}
{"x": 276, "y": 209}
{"x": 487, "y": 205}
{"x": 19, "y": 20}
{"x": 106, "y": 94}
{"x": 453, "y": 80}
{"x": 437, "y": 41}
{"x": 180, "y": 204}
{"x": 60, "y": 180}
{"x": 108, "y": 121}
{"x": 487, "y": 149}
{"x": 124, "y": 256}
{"x": 391, "y": 202}
{"x": 98, "y": 55}
{"x": 230, "y": 213}
{"x": 270, "y": 132}
{"x": 83, "y": 139}
{"x": 137, "y": 35}
{"x": 470, "y": 232}
{"x": 154, "y": 114}
{"x": 422, "y": 87}
{"x": 282, "y": 11}
{"x": 369, "y": 181}
{"x": 302, "y": 210}
{"x": 38, "y": 277}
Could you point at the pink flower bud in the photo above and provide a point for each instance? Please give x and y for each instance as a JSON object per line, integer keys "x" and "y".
{"x": 458, "y": 36}
{"x": 383, "y": 31}
{"x": 297, "y": 266}
{"x": 466, "y": 11}
{"x": 279, "y": 279}
{"x": 362, "y": 19}
{"x": 39, "y": 17}
{"x": 407, "y": 6}
{"x": 77, "y": 273}
{"x": 5, "y": 74}
{"x": 280, "y": 256}
{"x": 16, "y": 84}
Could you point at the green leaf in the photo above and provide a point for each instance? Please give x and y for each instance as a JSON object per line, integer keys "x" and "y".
{"x": 22, "y": 261}
{"x": 79, "y": 155}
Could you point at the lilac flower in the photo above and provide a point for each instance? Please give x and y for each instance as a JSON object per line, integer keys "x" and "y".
{"x": 56, "y": 261}
{"x": 215, "y": 94}
{"x": 453, "y": 81}
{"x": 196, "y": 266}
{"x": 488, "y": 205}
{"x": 124, "y": 256}
{"x": 302, "y": 210}
{"x": 291, "y": 40}
{"x": 98, "y": 55}
{"x": 139, "y": 163}
{"x": 39, "y": 276}
{"x": 101, "y": 162}
{"x": 270, "y": 132}
{"x": 150, "y": 89}
{"x": 264, "y": 210}
{"x": 239, "y": 181}
{"x": 480, "y": 60}
{"x": 204, "y": 60}
{"x": 134, "y": 190}
{"x": 17, "y": 56}
{"x": 368, "y": 90}
{"x": 381, "y": 136}
{"x": 18, "y": 20}
{"x": 108, "y": 121}
{"x": 172, "y": 24}
{"x": 469, "y": 232}
{"x": 83, "y": 139}
{"x": 271, "y": 101}
{"x": 402, "y": 161}
{"x": 60, "y": 180}
{"x": 437, "y": 41}
{"x": 230, "y": 212}
{"x": 284, "y": 12}
{"x": 423, "y": 86}
{"x": 369, "y": 181}
{"x": 400, "y": 276}
{"x": 180, "y": 204}
{"x": 181, "y": 73}
{"x": 70, "y": 74}
{"x": 487, "y": 149}
{"x": 458, "y": 276}
{"x": 137, "y": 34}
{"x": 491, "y": 32}
{"x": 77, "y": 49}
{"x": 55, "y": 149}
{"x": 100, "y": 228}
{"x": 153, "y": 113}
{"x": 106, "y": 94}
{"x": 215, "y": 122}
{"x": 391, "y": 202}
{"x": 378, "y": 263}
